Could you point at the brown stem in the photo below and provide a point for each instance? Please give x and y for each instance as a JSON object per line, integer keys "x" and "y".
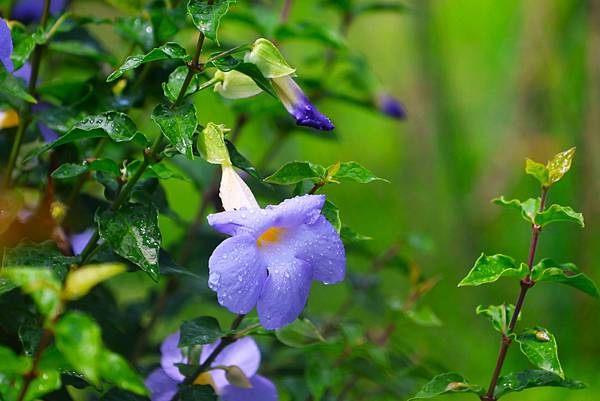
{"x": 526, "y": 284}
{"x": 285, "y": 11}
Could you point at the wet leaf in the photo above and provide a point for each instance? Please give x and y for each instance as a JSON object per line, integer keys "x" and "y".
{"x": 332, "y": 214}
{"x": 199, "y": 331}
{"x": 529, "y": 208}
{"x": 207, "y": 17}
{"x": 211, "y": 144}
{"x": 519, "y": 381}
{"x": 352, "y": 171}
{"x": 488, "y": 269}
{"x": 41, "y": 284}
{"x": 550, "y": 271}
{"x": 500, "y": 315}
{"x": 178, "y": 124}
{"x": 446, "y": 383}
{"x": 296, "y": 171}
{"x": 558, "y": 213}
{"x": 539, "y": 346}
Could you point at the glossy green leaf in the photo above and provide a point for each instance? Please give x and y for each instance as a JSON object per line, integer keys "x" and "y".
{"x": 69, "y": 170}
{"x": 207, "y": 17}
{"x": 13, "y": 363}
{"x": 41, "y": 284}
{"x": 500, "y": 315}
{"x": 446, "y": 383}
{"x": 78, "y": 338}
{"x": 23, "y": 44}
{"x": 539, "y": 346}
{"x": 132, "y": 231}
{"x": 169, "y": 50}
{"x": 300, "y": 333}
{"x": 349, "y": 236}
{"x": 44, "y": 254}
{"x": 560, "y": 164}
{"x": 112, "y": 124}
{"x": 178, "y": 124}
{"x": 354, "y": 172}
{"x": 197, "y": 392}
{"x": 558, "y": 213}
{"x": 211, "y": 144}
{"x": 519, "y": 381}
{"x": 199, "y": 331}
{"x": 45, "y": 382}
{"x": 115, "y": 369}
{"x": 239, "y": 161}
{"x": 488, "y": 269}
{"x": 550, "y": 271}
{"x": 528, "y": 208}
{"x": 332, "y": 214}
{"x": 12, "y": 87}
{"x": 173, "y": 86}
{"x": 538, "y": 170}
{"x": 296, "y": 171}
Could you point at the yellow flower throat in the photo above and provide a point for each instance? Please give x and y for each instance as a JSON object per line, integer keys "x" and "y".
{"x": 273, "y": 234}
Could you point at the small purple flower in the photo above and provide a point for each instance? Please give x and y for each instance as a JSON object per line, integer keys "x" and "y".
{"x": 390, "y": 106}
{"x": 298, "y": 105}
{"x": 272, "y": 258}
{"x": 79, "y": 240}
{"x": 6, "y": 46}
{"x": 243, "y": 353}
{"x": 31, "y": 10}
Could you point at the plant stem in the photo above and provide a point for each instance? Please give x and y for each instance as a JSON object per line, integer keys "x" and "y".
{"x": 29, "y": 376}
{"x": 25, "y": 115}
{"x": 149, "y": 154}
{"x": 526, "y": 284}
{"x": 285, "y": 11}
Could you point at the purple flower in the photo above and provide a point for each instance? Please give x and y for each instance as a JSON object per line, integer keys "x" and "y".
{"x": 243, "y": 353}
{"x": 390, "y": 106}
{"x": 298, "y": 105}
{"x": 31, "y": 10}
{"x": 6, "y": 46}
{"x": 79, "y": 240}
{"x": 272, "y": 257}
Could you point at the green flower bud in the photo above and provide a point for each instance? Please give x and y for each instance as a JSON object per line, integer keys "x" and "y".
{"x": 267, "y": 57}
{"x": 235, "y": 85}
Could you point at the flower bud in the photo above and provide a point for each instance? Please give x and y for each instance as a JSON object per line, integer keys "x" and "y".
{"x": 267, "y": 57}
{"x": 235, "y": 85}
{"x": 234, "y": 192}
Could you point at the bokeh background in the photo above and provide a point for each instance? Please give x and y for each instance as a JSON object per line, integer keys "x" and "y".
{"x": 485, "y": 84}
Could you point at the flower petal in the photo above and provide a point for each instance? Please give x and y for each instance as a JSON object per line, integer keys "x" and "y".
{"x": 320, "y": 245}
{"x": 237, "y": 273}
{"x": 391, "y": 107}
{"x": 298, "y": 105}
{"x": 298, "y": 210}
{"x": 161, "y": 386}
{"x": 243, "y": 221}
{"x": 170, "y": 355}
{"x": 286, "y": 290}
{"x": 243, "y": 353}
{"x": 234, "y": 192}
{"x": 262, "y": 389}
{"x": 6, "y": 46}
{"x": 31, "y": 10}
{"x": 80, "y": 240}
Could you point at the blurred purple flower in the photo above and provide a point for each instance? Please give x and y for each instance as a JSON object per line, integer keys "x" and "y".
{"x": 390, "y": 106}
{"x": 31, "y": 10}
{"x": 272, "y": 258}
{"x": 6, "y": 46}
{"x": 243, "y": 353}
{"x": 80, "y": 240}
{"x": 298, "y": 105}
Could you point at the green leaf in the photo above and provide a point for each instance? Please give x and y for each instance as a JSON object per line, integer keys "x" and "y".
{"x": 79, "y": 282}
{"x": 446, "y": 383}
{"x": 349, "y": 236}
{"x": 112, "y": 124}
{"x": 296, "y": 171}
{"x": 206, "y": 17}
{"x": 78, "y": 338}
{"x": 488, "y": 269}
{"x": 332, "y": 214}
{"x": 44, "y": 383}
{"x": 115, "y": 369}
{"x": 300, "y": 333}
{"x": 82, "y": 49}
{"x": 169, "y": 50}
{"x": 558, "y": 213}
{"x": 197, "y": 392}
{"x": 539, "y": 346}
{"x": 13, "y": 363}
{"x": 519, "y": 381}
{"x": 528, "y": 209}
{"x": 500, "y": 315}
{"x": 550, "y": 271}
{"x": 560, "y": 164}
{"x": 211, "y": 144}
{"x": 12, "y": 87}
{"x": 41, "y": 284}
{"x": 538, "y": 170}
{"x": 45, "y": 254}
{"x": 253, "y": 72}
{"x": 423, "y": 315}
{"x": 199, "y": 331}
{"x": 132, "y": 231}
{"x": 239, "y": 161}
{"x": 164, "y": 172}
{"x": 352, "y": 171}
{"x": 178, "y": 124}
{"x": 69, "y": 170}
{"x": 319, "y": 377}
{"x": 173, "y": 86}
